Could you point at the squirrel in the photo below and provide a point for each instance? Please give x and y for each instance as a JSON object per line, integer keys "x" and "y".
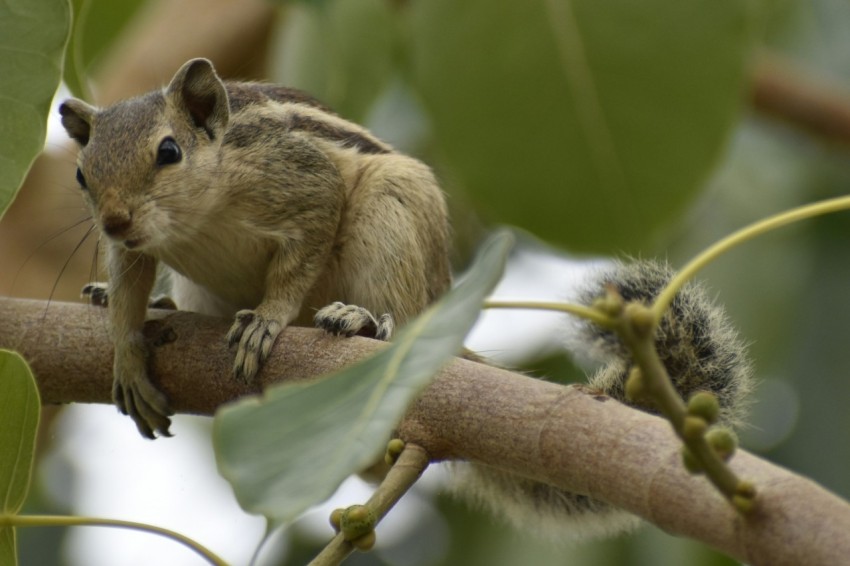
{"x": 258, "y": 203}
{"x": 261, "y": 204}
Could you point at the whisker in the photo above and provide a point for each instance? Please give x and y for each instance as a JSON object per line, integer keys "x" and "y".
{"x": 93, "y": 270}
{"x": 50, "y": 238}
{"x": 61, "y": 149}
{"x": 64, "y": 267}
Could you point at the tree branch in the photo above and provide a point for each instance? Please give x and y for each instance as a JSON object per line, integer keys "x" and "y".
{"x": 566, "y": 436}
{"x": 790, "y": 94}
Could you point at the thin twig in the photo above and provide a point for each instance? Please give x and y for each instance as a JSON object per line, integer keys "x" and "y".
{"x": 636, "y": 328}
{"x": 73, "y": 521}
{"x": 337, "y": 550}
{"x": 737, "y": 238}
{"x": 588, "y": 313}
{"x": 402, "y": 475}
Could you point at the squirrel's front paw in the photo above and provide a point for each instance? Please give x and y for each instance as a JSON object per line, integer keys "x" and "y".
{"x": 339, "y": 318}
{"x": 255, "y": 336}
{"x": 137, "y": 397}
{"x": 96, "y": 293}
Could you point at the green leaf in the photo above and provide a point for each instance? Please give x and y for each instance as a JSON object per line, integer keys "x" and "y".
{"x": 8, "y": 546}
{"x": 589, "y": 123}
{"x": 339, "y": 51}
{"x": 292, "y": 448}
{"x": 19, "y": 414}
{"x": 33, "y": 34}
{"x": 97, "y": 24}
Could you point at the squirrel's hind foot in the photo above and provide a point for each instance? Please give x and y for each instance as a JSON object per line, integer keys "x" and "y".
{"x": 339, "y": 318}
{"x": 255, "y": 335}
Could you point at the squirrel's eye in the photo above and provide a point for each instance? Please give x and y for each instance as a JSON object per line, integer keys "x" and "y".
{"x": 169, "y": 152}
{"x": 81, "y": 179}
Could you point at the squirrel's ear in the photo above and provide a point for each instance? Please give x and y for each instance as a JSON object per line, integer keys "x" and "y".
{"x": 77, "y": 118}
{"x": 197, "y": 90}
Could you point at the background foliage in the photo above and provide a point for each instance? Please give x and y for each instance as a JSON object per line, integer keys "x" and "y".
{"x": 32, "y": 39}
{"x": 598, "y": 127}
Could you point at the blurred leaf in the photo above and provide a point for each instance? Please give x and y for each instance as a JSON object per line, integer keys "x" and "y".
{"x": 97, "y": 23}
{"x": 306, "y": 2}
{"x": 339, "y": 51}
{"x": 19, "y": 412}
{"x": 33, "y": 34}
{"x": 8, "y": 548}
{"x": 557, "y": 368}
{"x": 292, "y": 448}
{"x": 589, "y": 123}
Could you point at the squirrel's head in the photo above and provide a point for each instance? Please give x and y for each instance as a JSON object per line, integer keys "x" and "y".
{"x": 143, "y": 161}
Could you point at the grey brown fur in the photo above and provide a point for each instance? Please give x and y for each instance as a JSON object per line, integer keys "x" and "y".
{"x": 699, "y": 348}
{"x": 270, "y": 208}
{"x": 695, "y": 340}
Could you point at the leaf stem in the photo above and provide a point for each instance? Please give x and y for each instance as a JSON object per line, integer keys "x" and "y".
{"x": 76, "y": 34}
{"x": 72, "y": 521}
{"x": 589, "y": 313}
{"x": 747, "y": 233}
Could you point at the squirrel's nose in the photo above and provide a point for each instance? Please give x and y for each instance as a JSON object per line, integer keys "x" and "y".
{"x": 117, "y": 223}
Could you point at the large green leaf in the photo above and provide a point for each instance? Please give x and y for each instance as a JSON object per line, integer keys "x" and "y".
{"x": 97, "y": 24}
{"x": 339, "y": 51}
{"x": 588, "y": 123}
{"x": 33, "y": 34}
{"x": 8, "y": 547}
{"x": 19, "y": 413}
{"x": 292, "y": 448}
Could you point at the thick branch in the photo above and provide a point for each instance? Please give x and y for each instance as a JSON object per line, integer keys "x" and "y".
{"x": 562, "y": 435}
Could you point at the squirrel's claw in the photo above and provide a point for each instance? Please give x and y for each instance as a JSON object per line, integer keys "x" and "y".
{"x": 145, "y": 404}
{"x": 255, "y": 335}
{"x": 339, "y": 318}
{"x": 96, "y": 293}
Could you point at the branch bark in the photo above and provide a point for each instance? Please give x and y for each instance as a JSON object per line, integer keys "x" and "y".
{"x": 812, "y": 104}
{"x": 565, "y": 436}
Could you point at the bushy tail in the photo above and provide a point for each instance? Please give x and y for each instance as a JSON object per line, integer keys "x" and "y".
{"x": 695, "y": 340}
{"x": 699, "y": 348}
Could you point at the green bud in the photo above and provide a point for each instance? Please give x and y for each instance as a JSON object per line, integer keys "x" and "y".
{"x": 690, "y": 462}
{"x": 723, "y": 441}
{"x": 743, "y": 504}
{"x": 694, "y": 427}
{"x": 366, "y": 542}
{"x": 746, "y": 489}
{"x": 357, "y": 521}
{"x": 704, "y": 404}
{"x": 744, "y": 499}
{"x": 336, "y": 519}
{"x": 394, "y": 449}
